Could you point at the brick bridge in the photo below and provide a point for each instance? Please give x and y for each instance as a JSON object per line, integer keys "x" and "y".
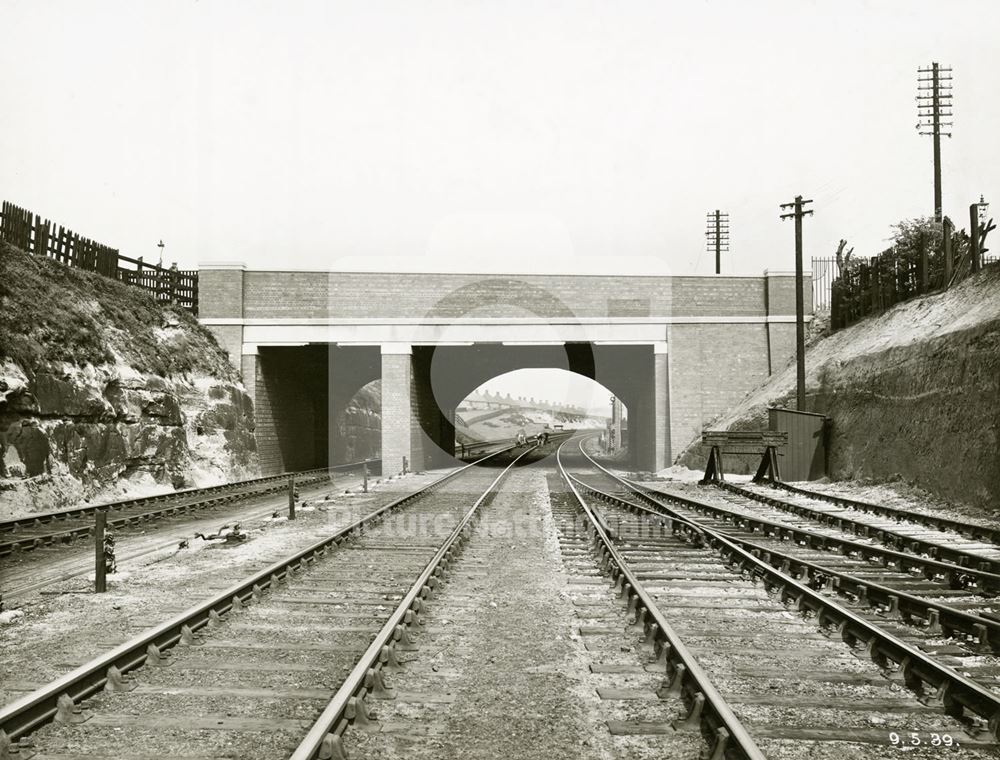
{"x": 676, "y": 350}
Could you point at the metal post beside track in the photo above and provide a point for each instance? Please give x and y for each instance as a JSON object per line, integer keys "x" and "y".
{"x": 365, "y": 482}
{"x": 291, "y": 497}
{"x": 100, "y": 577}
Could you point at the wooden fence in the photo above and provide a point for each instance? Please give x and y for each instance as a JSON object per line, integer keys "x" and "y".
{"x": 870, "y": 286}
{"x": 31, "y": 233}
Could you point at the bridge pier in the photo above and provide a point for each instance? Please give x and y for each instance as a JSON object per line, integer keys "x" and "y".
{"x": 413, "y": 425}
{"x": 661, "y": 408}
{"x": 397, "y": 407}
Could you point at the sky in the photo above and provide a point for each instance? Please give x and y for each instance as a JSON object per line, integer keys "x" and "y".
{"x": 539, "y": 136}
{"x": 488, "y": 137}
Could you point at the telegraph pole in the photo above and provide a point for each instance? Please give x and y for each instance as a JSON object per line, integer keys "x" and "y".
{"x": 933, "y": 108}
{"x": 800, "y": 327}
{"x": 717, "y": 232}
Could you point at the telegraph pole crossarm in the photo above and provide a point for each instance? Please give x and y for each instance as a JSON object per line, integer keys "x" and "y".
{"x": 934, "y": 112}
{"x": 717, "y": 233}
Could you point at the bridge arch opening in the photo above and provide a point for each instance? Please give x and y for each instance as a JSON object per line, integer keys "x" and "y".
{"x": 357, "y": 425}
{"x": 532, "y": 401}
{"x": 444, "y": 375}
{"x": 316, "y": 403}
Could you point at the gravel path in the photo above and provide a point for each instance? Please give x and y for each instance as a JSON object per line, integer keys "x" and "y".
{"x": 506, "y": 667}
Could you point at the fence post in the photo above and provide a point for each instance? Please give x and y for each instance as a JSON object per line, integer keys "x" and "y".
{"x": 876, "y": 283}
{"x": 949, "y": 263}
{"x": 41, "y": 237}
{"x": 26, "y": 231}
{"x": 173, "y": 283}
{"x": 834, "y": 305}
{"x": 923, "y": 266}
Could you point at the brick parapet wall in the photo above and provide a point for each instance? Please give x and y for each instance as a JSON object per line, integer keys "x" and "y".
{"x": 343, "y": 295}
{"x": 781, "y": 294}
{"x": 220, "y": 293}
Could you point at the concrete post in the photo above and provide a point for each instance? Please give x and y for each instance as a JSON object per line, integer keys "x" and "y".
{"x": 397, "y": 413}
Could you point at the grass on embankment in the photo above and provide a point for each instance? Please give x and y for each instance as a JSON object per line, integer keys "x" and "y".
{"x": 51, "y": 313}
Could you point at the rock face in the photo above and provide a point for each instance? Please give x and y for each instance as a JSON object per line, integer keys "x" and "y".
{"x": 105, "y": 394}
{"x": 106, "y": 432}
{"x": 360, "y": 426}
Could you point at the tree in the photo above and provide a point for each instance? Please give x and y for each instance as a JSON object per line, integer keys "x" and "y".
{"x": 866, "y": 285}
{"x": 909, "y": 239}
{"x": 844, "y": 259}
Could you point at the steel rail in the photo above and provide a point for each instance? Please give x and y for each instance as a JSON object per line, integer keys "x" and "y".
{"x": 11, "y": 524}
{"x": 67, "y": 536}
{"x": 956, "y": 692}
{"x": 24, "y": 715}
{"x": 931, "y": 568}
{"x": 481, "y": 446}
{"x": 29, "y": 542}
{"x": 970, "y": 530}
{"x": 731, "y": 737}
{"x": 347, "y": 704}
{"x": 933, "y": 549}
{"x": 934, "y": 616}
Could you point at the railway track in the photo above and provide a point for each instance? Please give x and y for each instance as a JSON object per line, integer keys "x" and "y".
{"x": 940, "y": 599}
{"x": 59, "y": 528}
{"x": 944, "y": 607}
{"x": 950, "y": 541}
{"x": 928, "y": 516}
{"x": 327, "y": 620}
{"x": 766, "y": 663}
